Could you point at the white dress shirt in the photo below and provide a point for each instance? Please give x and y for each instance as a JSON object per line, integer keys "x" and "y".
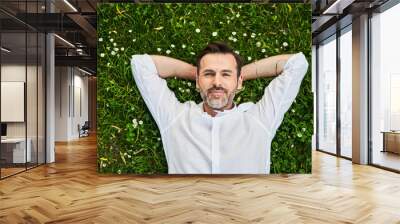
{"x": 235, "y": 141}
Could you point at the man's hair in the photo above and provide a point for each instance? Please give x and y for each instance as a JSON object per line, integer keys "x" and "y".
{"x": 219, "y": 48}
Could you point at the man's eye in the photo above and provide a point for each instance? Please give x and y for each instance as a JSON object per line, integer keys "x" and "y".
{"x": 207, "y": 74}
{"x": 226, "y": 74}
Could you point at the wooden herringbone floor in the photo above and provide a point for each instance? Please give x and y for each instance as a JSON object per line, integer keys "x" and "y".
{"x": 71, "y": 191}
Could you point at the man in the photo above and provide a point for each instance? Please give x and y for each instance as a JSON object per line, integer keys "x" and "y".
{"x": 216, "y": 136}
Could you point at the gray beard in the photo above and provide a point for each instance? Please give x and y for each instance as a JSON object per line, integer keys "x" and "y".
{"x": 217, "y": 104}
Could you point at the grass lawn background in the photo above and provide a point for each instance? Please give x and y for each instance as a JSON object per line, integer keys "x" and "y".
{"x": 128, "y": 140}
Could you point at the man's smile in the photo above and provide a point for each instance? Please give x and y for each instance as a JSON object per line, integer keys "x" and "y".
{"x": 217, "y": 92}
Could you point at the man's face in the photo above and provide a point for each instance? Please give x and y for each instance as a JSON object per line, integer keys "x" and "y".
{"x": 217, "y": 80}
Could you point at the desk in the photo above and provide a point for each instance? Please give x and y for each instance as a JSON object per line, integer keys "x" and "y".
{"x": 391, "y": 141}
{"x": 16, "y": 147}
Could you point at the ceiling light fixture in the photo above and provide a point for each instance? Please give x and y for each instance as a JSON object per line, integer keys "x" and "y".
{"x": 84, "y": 71}
{"x": 65, "y": 41}
{"x": 337, "y": 7}
{"x": 5, "y": 49}
{"x": 70, "y": 5}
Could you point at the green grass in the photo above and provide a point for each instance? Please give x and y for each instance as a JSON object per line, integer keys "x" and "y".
{"x": 124, "y": 147}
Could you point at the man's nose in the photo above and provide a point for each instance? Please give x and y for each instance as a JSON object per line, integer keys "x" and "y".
{"x": 217, "y": 80}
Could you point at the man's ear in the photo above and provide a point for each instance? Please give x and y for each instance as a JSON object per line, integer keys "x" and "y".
{"x": 240, "y": 81}
{"x": 197, "y": 81}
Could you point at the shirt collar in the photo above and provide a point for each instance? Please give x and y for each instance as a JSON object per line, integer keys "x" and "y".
{"x": 219, "y": 113}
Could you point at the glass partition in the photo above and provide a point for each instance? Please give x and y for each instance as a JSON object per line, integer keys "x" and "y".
{"x": 13, "y": 95}
{"x": 22, "y": 67}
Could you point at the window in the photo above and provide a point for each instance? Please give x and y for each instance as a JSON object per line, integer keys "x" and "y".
{"x": 327, "y": 95}
{"x": 385, "y": 89}
{"x": 346, "y": 75}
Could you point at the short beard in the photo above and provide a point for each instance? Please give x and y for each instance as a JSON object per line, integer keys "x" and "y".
{"x": 217, "y": 104}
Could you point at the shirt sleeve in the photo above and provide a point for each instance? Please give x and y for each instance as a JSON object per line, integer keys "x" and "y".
{"x": 160, "y": 100}
{"x": 280, "y": 93}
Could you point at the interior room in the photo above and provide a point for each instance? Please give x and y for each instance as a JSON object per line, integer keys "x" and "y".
{"x": 48, "y": 158}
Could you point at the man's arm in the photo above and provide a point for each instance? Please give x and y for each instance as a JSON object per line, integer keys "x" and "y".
{"x": 171, "y": 67}
{"x": 281, "y": 91}
{"x": 160, "y": 100}
{"x": 267, "y": 67}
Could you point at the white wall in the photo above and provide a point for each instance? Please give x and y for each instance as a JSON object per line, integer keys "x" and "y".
{"x": 17, "y": 72}
{"x": 61, "y": 103}
{"x": 70, "y": 83}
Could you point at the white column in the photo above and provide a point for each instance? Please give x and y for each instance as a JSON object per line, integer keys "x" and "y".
{"x": 313, "y": 88}
{"x": 360, "y": 90}
{"x": 50, "y": 93}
